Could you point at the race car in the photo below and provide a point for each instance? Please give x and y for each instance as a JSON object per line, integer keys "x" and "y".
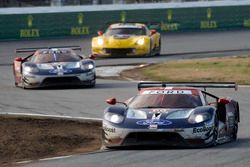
{"x": 55, "y": 66}
{"x": 172, "y": 114}
{"x": 127, "y": 39}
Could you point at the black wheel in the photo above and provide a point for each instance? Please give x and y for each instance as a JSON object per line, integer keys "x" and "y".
{"x": 235, "y": 132}
{"x": 22, "y": 84}
{"x": 150, "y": 49}
{"x": 158, "y": 48}
{"x": 215, "y": 132}
{"x": 215, "y": 135}
{"x": 16, "y": 84}
{"x": 92, "y": 85}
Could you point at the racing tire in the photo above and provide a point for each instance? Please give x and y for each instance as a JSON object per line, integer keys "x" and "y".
{"x": 158, "y": 49}
{"x": 150, "y": 50}
{"x": 235, "y": 132}
{"x": 22, "y": 84}
{"x": 91, "y": 85}
{"x": 16, "y": 84}
{"x": 215, "y": 133}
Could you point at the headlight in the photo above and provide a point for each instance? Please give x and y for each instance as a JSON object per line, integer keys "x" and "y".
{"x": 140, "y": 41}
{"x": 29, "y": 69}
{"x": 100, "y": 41}
{"x": 87, "y": 66}
{"x": 180, "y": 114}
{"x": 198, "y": 118}
{"x": 114, "y": 118}
{"x": 136, "y": 114}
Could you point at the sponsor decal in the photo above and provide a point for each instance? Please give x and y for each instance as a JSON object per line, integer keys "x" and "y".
{"x": 107, "y": 129}
{"x": 30, "y": 31}
{"x": 123, "y": 16}
{"x": 80, "y": 29}
{"x": 160, "y": 110}
{"x": 59, "y": 71}
{"x": 153, "y": 122}
{"x": 167, "y": 92}
{"x": 202, "y": 129}
{"x": 170, "y": 25}
{"x": 246, "y": 23}
{"x": 153, "y": 126}
{"x": 209, "y": 23}
{"x": 156, "y": 116}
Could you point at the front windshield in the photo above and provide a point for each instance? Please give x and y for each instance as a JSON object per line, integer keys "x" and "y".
{"x": 50, "y": 56}
{"x": 126, "y": 31}
{"x": 165, "y": 101}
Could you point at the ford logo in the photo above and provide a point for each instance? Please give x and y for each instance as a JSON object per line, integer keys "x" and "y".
{"x": 154, "y": 122}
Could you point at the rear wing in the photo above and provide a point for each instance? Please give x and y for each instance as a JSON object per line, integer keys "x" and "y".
{"x": 150, "y": 25}
{"x": 188, "y": 84}
{"x": 25, "y": 50}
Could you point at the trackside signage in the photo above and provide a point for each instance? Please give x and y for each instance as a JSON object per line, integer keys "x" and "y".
{"x": 82, "y": 23}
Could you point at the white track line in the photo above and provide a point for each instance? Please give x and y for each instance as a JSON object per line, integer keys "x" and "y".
{"x": 54, "y": 158}
{"x": 24, "y": 162}
{"x": 52, "y": 116}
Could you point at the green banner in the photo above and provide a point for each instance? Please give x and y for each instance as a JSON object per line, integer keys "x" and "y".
{"x": 49, "y": 25}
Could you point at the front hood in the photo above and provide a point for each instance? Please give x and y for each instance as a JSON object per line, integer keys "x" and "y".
{"x": 158, "y": 117}
{"x": 58, "y": 65}
{"x": 59, "y": 68}
{"x": 121, "y": 40}
{"x": 162, "y": 113}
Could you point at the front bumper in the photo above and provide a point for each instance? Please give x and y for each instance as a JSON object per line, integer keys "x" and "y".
{"x": 184, "y": 137}
{"x": 120, "y": 52}
{"x": 36, "y": 81}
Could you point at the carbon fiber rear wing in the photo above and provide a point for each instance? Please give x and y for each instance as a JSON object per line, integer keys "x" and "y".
{"x": 23, "y": 50}
{"x": 188, "y": 84}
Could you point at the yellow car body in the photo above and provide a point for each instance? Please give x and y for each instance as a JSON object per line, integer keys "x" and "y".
{"x": 127, "y": 39}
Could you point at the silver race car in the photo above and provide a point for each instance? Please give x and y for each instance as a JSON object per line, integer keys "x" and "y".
{"x": 172, "y": 114}
{"x": 53, "y": 67}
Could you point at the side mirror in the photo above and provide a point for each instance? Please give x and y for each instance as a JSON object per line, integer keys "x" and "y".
{"x": 152, "y": 32}
{"x": 100, "y": 33}
{"x": 92, "y": 56}
{"x": 223, "y": 101}
{"x": 19, "y": 59}
{"x": 111, "y": 101}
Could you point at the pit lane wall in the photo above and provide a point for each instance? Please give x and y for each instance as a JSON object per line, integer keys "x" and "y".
{"x": 50, "y": 22}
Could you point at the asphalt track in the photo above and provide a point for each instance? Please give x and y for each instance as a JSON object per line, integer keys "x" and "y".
{"x": 91, "y": 102}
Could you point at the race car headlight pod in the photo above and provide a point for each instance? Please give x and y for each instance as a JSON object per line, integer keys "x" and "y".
{"x": 30, "y": 69}
{"x": 100, "y": 41}
{"x": 114, "y": 118}
{"x": 180, "y": 114}
{"x": 140, "y": 41}
{"x": 136, "y": 114}
{"x": 199, "y": 117}
{"x": 87, "y": 66}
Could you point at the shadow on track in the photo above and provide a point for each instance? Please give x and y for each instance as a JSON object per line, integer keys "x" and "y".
{"x": 240, "y": 143}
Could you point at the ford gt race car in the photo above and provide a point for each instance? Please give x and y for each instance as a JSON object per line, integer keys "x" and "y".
{"x": 127, "y": 39}
{"x": 53, "y": 67}
{"x": 172, "y": 114}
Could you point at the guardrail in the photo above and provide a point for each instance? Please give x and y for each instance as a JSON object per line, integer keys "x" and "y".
{"x": 81, "y": 22}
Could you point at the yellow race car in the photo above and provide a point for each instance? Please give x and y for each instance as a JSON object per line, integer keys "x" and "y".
{"x": 127, "y": 39}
